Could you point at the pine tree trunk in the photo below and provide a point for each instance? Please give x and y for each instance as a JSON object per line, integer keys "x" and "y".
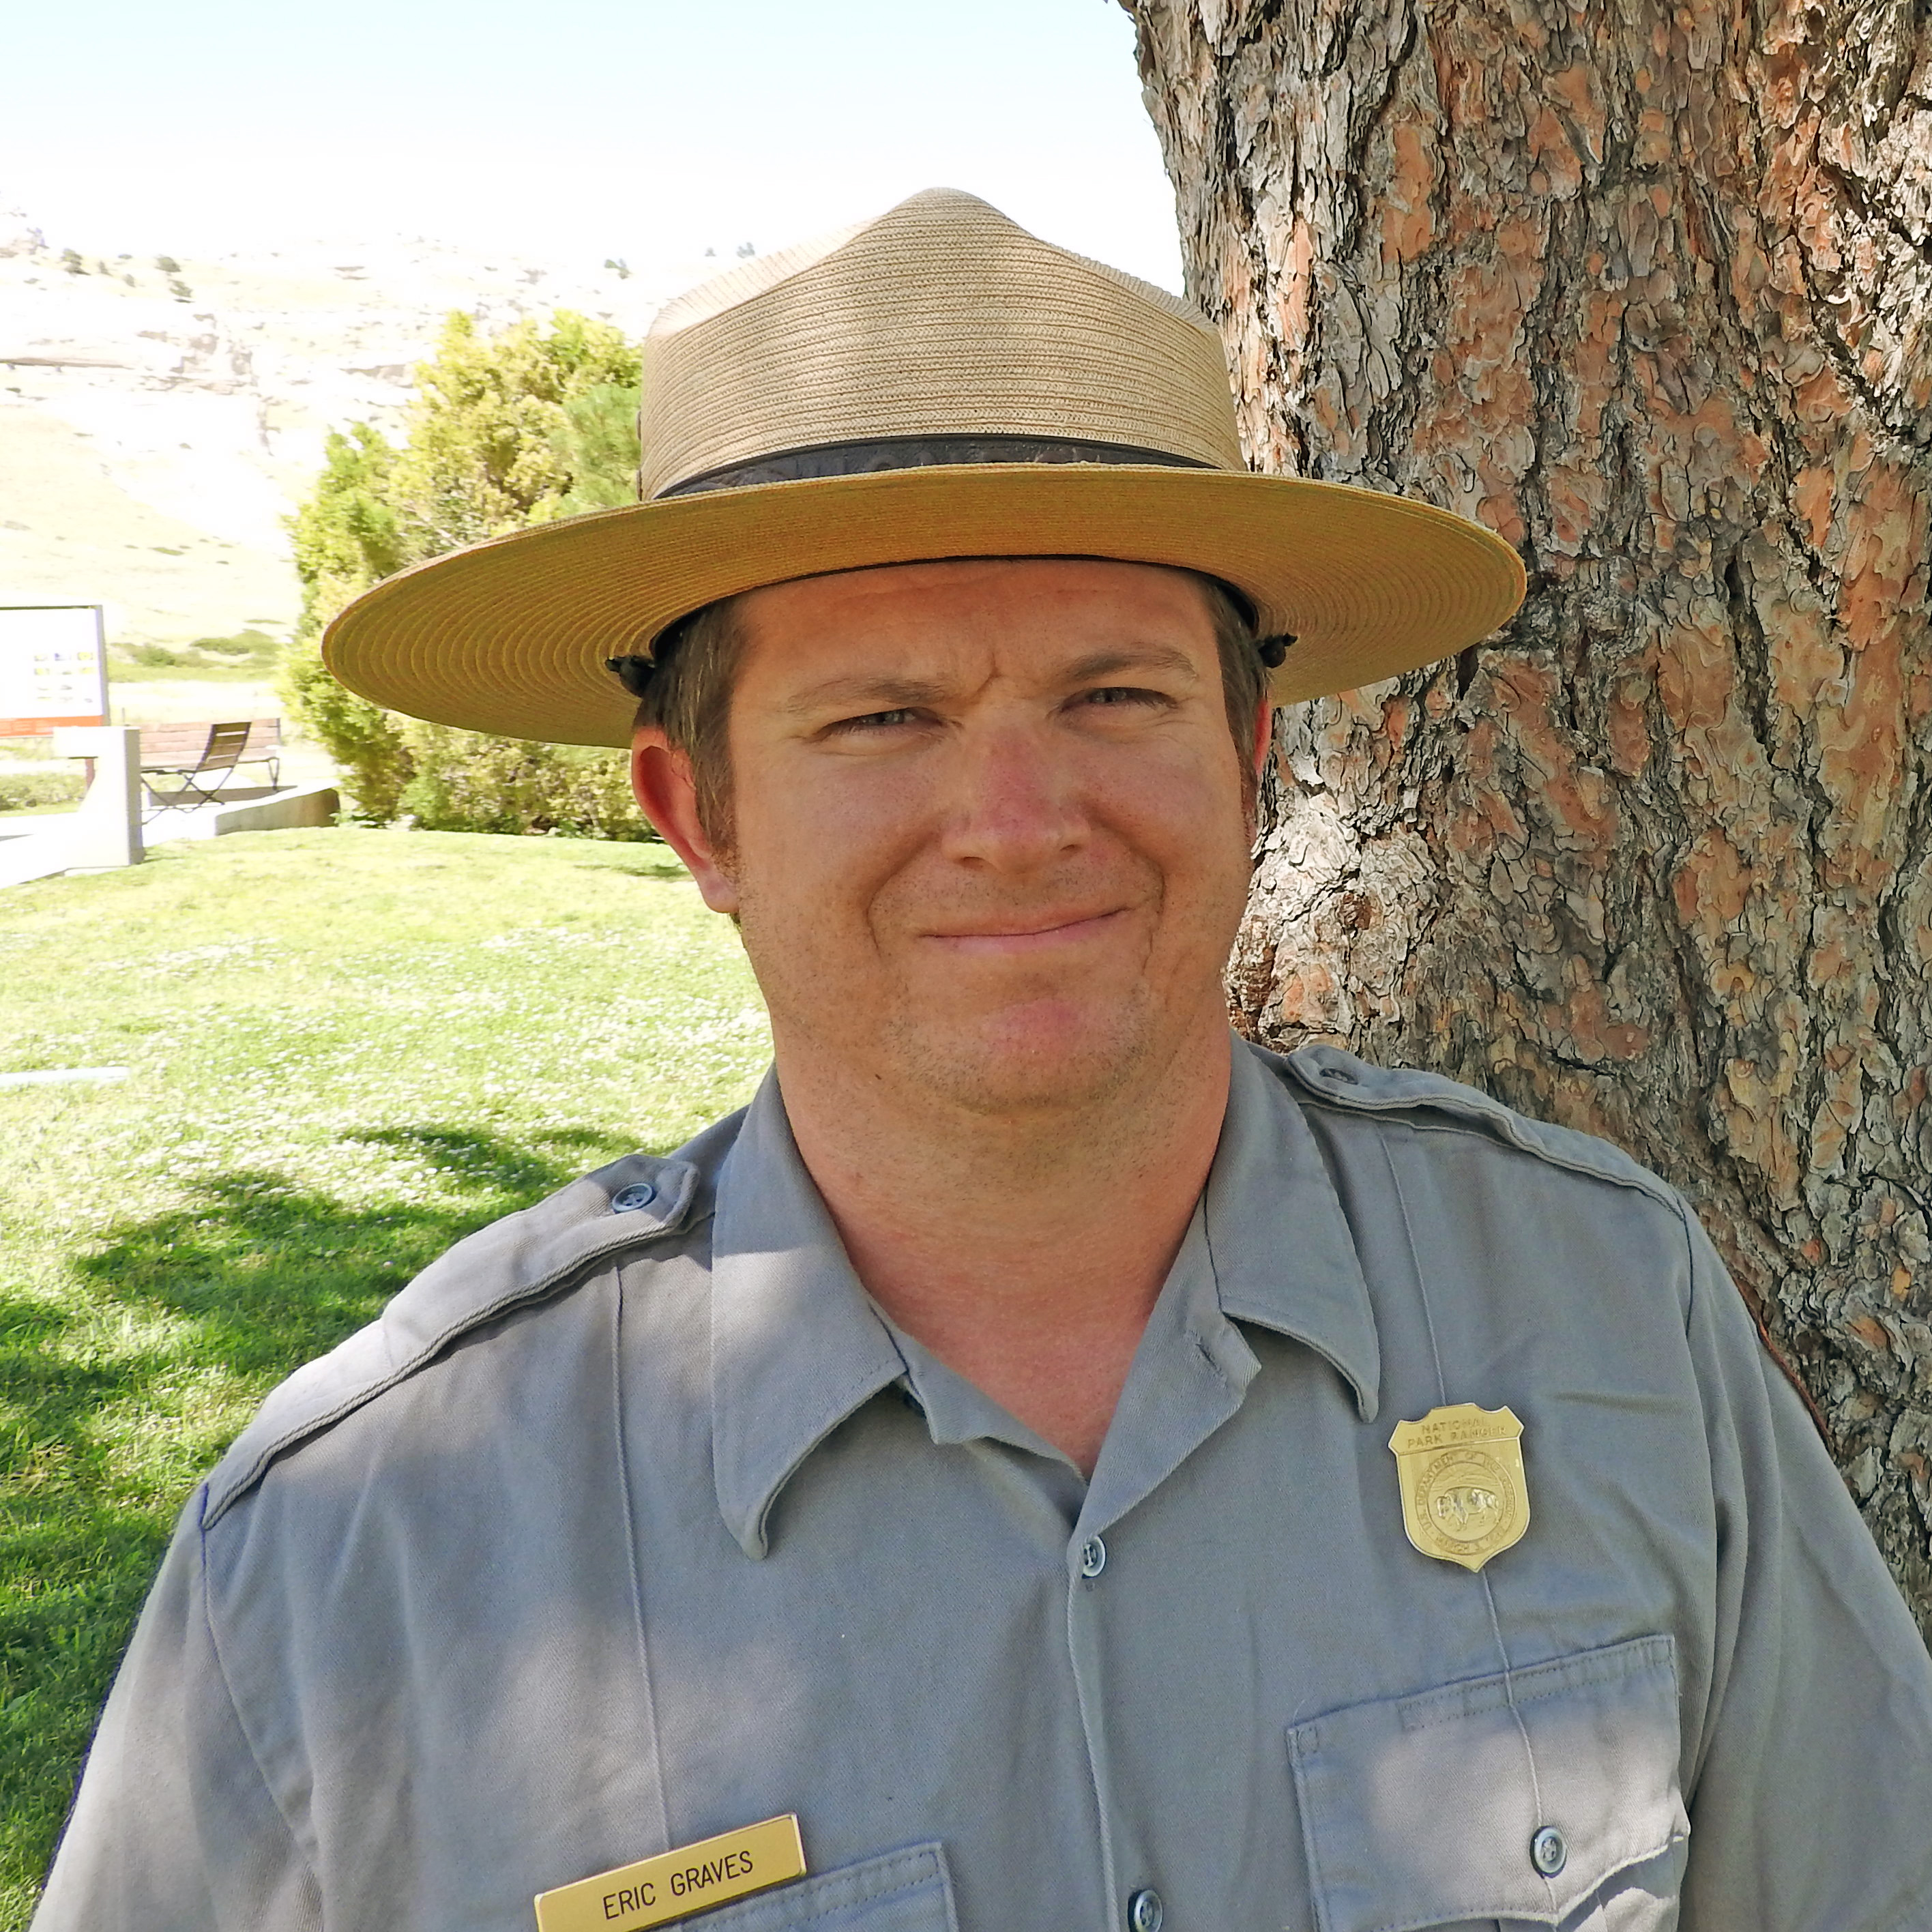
{"x": 1647, "y": 288}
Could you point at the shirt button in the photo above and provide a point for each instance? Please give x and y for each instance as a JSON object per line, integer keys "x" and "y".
{"x": 1548, "y": 1852}
{"x": 628, "y": 1200}
{"x": 1145, "y": 1911}
{"x": 1093, "y": 1560}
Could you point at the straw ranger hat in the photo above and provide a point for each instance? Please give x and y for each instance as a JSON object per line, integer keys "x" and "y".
{"x": 934, "y": 383}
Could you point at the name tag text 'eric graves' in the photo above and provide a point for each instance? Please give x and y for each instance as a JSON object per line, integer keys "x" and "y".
{"x": 654, "y": 1891}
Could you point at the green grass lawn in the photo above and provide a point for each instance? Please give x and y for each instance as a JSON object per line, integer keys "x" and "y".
{"x": 344, "y": 1049}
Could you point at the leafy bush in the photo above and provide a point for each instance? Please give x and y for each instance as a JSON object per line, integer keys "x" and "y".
{"x": 597, "y": 441}
{"x": 365, "y": 741}
{"x": 505, "y": 431}
{"x": 469, "y": 781}
{"x": 494, "y": 443}
{"x": 155, "y": 654}
{"x": 20, "y": 791}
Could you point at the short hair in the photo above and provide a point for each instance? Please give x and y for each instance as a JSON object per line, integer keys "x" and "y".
{"x": 689, "y": 699}
{"x": 695, "y": 665}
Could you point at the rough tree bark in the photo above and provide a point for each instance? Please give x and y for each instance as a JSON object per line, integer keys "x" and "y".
{"x": 1647, "y": 288}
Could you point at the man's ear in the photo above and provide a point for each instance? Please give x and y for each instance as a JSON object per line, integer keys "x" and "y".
{"x": 1263, "y": 735}
{"x": 667, "y": 796}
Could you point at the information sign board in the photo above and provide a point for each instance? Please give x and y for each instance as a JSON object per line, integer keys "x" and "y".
{"x": 53, "y": 666}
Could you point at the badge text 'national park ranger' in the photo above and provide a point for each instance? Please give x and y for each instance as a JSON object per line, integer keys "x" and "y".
{"x": 1463, "y": 1495}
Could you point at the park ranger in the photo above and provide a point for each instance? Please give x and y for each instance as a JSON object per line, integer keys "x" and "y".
{"x": 1045, "y": 1463}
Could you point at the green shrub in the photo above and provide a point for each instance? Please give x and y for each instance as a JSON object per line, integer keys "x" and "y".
{"x": 20, "y": 791}
{"x": 467, "y": 782}
{"x": 155, "y": 654}
{"x": 364, "y": 741}
{"x": 523, "y": 428}
{"x": 597, "y": 442}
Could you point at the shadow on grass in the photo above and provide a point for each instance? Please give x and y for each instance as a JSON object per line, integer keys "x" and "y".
{"x": 270, "y": 1274}
{"x": 115, "y": 1397}
{"x": 665, "y": 866}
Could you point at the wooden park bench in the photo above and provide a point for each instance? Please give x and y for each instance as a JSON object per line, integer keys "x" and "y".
{"x": 201, "y": 759}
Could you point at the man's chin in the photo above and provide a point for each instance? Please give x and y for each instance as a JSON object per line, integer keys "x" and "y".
{"x": 1028, "y": 1063}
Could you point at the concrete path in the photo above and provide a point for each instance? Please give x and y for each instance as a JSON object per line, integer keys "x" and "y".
{"x": 40, "y": 846}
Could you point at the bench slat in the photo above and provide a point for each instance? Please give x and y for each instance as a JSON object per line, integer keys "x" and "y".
{"x": 168, "y": 744}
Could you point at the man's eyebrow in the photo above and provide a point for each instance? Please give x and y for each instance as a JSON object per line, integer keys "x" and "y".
{"x": 1129, "y": 658}
{"x": 868, "y": 694}
{"x": 887, "y": 693}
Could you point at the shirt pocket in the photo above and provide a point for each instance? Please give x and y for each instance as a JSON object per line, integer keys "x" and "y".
{"x": 908, "y": 1890}
{"x": 1439, "y": 1809}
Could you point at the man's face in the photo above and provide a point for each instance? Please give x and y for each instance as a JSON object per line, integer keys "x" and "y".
{"x": 989, "y": 826}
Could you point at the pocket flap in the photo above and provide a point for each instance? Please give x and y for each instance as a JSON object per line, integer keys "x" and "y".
{"x": 910, "y": 1890}
{"x": 1428, "y": 1809}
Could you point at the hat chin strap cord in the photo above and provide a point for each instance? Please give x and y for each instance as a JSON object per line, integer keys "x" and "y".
{"x": 633, "y": 674}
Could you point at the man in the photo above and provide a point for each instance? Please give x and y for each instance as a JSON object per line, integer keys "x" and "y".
{"x": 1045, "y": 1463}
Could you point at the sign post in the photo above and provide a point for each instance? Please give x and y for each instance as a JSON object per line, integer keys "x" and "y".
{"x": 53, "y": 666}
{"x": 105, "y": 831}
{"x": 53, "y": 680}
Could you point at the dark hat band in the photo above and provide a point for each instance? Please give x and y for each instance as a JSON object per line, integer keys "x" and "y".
{"x": 917, "y": 452}
{"x": 922, "y": 452}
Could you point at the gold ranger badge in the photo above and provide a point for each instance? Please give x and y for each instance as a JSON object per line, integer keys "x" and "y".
{"x": 1463, "y": 1495}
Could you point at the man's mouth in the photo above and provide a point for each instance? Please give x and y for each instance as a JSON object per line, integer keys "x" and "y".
{"x": 1028, "y": 933}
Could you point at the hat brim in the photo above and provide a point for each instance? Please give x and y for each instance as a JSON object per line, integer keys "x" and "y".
{"x": 511, "y": 636}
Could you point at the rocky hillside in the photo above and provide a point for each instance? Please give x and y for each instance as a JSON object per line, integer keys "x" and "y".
{"x": 159, "y": 418}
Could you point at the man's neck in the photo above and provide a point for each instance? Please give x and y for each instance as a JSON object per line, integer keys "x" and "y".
{"x": 1026, "y": 1255}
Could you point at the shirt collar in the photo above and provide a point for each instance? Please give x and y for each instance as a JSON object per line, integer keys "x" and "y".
{"x": 797, "y": 1346}
{"x": 1283, "y": 1253}
{"x": 956, "y": 1410}
{"x": 1268, "y": 1245}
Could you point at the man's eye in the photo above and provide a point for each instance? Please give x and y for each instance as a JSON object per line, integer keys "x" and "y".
{"x": 1121, "y": 694}
{"x": 877, "y": 720}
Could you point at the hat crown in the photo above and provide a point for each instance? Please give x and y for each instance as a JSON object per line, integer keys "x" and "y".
{"x": 941, "y": 319}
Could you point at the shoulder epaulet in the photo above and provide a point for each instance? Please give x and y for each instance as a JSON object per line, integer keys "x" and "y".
{"x": 521, "y": 1259}
{"x": 1339, "y": 1079}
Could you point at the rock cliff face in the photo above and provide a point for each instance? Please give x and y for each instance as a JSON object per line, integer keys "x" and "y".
{"x": 159, "y": 419}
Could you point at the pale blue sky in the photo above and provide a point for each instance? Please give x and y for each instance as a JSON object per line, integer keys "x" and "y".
{"x": 651, "y": 129}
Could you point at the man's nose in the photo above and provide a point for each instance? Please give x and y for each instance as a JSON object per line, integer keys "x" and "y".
{"x": 1014, "y": 799}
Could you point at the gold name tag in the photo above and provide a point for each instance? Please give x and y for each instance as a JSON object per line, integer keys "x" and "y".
{"x": 654, "y": 1891}
{"x": 1464, "y": 1497}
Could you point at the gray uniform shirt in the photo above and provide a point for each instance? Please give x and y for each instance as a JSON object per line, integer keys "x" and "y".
{"x": 629, "y": 1525}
